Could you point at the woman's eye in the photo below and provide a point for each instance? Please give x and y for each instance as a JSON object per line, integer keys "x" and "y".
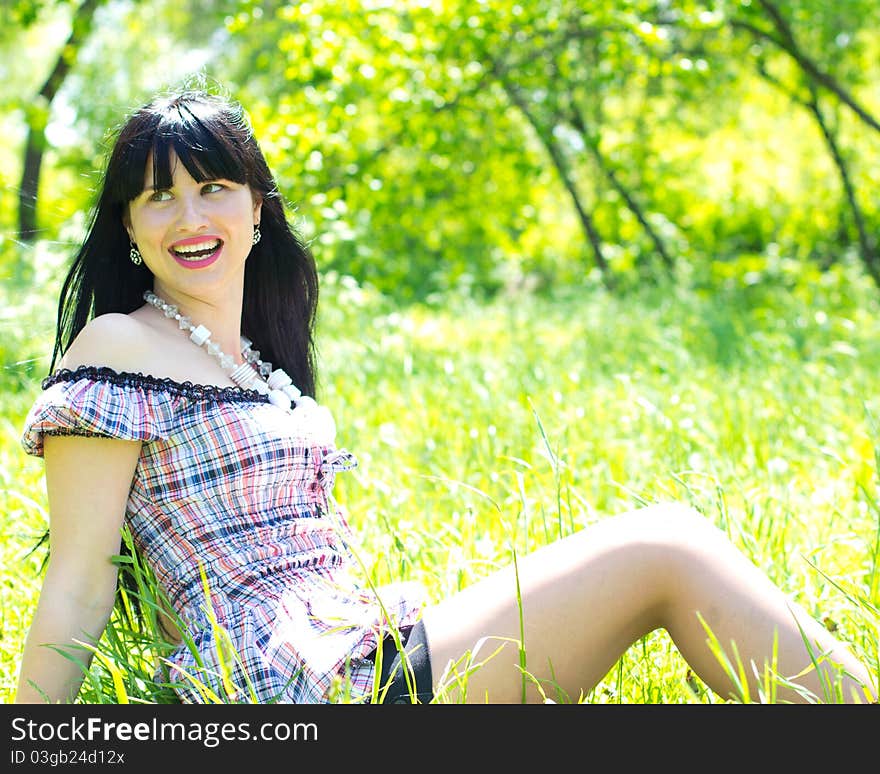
{"x": 213, "y": 187}
{"x": 160, "y": 196}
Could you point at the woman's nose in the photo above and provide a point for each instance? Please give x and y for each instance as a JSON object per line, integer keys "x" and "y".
{"x": 191, "y": 213}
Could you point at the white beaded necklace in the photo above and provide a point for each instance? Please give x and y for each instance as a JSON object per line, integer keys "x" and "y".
{"x": 253, "y": 374}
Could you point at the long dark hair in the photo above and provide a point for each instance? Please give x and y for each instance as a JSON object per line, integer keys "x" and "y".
{"x": 213, "y": 138}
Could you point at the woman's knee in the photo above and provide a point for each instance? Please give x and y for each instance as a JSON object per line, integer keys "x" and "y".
{"x": 670, "y": 524}
{"x": 673, "y": 543}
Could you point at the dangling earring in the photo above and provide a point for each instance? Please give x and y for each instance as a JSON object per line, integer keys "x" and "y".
{"x": 257, "y": 234}
{"x": 135, "y": 255}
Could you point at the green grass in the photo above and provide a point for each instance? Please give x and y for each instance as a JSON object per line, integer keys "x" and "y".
{"x": 482, "y": 428}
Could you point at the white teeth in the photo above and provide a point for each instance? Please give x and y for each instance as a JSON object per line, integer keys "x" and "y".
{"x": 197, "y": 248}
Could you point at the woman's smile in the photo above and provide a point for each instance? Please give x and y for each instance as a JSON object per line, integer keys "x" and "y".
{"x": 196, "y": 252}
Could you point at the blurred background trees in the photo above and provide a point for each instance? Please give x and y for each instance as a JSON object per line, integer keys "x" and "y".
{"x": 429, "y": 145}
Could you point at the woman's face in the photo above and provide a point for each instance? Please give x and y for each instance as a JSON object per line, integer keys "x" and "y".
{"x": 193, "y": 236}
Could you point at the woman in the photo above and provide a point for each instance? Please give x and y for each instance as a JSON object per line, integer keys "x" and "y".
{"x": 164, "y": 417}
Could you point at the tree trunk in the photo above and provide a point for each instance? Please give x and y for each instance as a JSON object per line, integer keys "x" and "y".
{"x": 787, "y": 43}
{"x": 622, "y": 190}
{"x": 562, "y": 168}
{"x": 35, "y": 141}
{"x": 866, "y": 249}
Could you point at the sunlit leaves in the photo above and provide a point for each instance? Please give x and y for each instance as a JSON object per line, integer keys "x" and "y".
{"x": 394, "y": 132}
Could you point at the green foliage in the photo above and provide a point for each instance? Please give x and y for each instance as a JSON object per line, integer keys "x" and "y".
{"x": 483, "y": 429}
{"x": 433, "y": 146}
{"x": 27, "y": 319}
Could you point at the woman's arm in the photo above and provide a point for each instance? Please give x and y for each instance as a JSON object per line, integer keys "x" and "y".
{"x": 87, "y": 481}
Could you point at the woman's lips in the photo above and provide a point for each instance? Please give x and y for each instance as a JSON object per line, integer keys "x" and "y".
{"x": 196, "y": 252}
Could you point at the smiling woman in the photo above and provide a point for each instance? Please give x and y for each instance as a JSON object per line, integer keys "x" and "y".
{"x": 215, "y": 455}
{"x": 186, "y": 170}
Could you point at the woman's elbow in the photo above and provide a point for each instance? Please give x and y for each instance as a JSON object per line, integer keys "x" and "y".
{"x": 91, "y": 590}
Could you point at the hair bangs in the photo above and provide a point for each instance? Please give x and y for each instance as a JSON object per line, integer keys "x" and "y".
{"x": 202, "y": 143}
{"x": 206, "y": 154}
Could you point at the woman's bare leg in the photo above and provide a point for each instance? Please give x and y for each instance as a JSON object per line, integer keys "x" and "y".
{"x": 588, "y": 597}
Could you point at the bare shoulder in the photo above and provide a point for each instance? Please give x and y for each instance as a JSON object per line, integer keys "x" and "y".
{"x": 115, "y": 340}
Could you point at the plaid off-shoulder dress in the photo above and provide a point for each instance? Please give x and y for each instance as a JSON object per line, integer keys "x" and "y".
{"x": 232, "y": 486}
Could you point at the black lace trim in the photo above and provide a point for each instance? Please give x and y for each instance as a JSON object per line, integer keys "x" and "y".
{"x": 163, "y": 384}
{"x": 74, "y": 431}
